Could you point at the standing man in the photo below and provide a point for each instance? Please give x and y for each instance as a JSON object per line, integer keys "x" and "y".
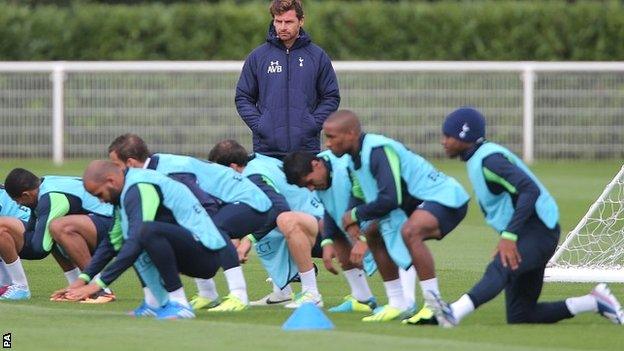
{"x": 522, "y": 211}
{"x": 287, "y": 87}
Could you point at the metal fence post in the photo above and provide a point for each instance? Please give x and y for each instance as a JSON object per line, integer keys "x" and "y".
{"x": 58, "y": 82}
{"x": 528, "y": 129}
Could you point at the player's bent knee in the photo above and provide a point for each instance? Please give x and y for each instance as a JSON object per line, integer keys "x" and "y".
{"x": 58, "y": 229}
{"x": 286, "y": 222}
{"x": 410, "y": 231}
{"x": 5, "y": 237}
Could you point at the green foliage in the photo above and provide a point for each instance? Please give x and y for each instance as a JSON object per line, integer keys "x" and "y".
{"x": 403, "y": 30}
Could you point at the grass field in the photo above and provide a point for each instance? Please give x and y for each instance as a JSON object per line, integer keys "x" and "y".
{"x": 460, "y": 259}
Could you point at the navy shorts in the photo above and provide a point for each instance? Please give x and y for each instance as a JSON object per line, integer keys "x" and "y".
{"x": 239, "y": 219}
{"x": 448, "y": 217}
{"x": 103, "y": 225}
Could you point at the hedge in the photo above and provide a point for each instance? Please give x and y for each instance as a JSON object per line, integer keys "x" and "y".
{"x": 475, "y": 30}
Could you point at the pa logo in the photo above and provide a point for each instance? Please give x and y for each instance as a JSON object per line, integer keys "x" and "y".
{"x": 6, "y": 341}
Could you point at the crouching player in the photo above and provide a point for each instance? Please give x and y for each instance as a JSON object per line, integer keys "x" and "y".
{"x": 520, "y": 208}
{"x": 162, "y": 217}
{"x": 288, "y": 249}
{"x": 62, "y": 210}
{"x": 412, "y": 200}
{"x": 225, "y": 194}
{"x": 329, "y": 176}
{"x": 11, "y": 214}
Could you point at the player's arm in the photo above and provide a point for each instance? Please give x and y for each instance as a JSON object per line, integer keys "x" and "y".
{"x": 330, "y": 230}
{"x": 106, "y": 250}
{"x": 210, "y": 203}
{"x": 268, "y": 187}
{"x": 385, "y": 167}
{"x": 141, "y": 204}
{"x": 327, "y": 90}
{"x": 502, "y": 175}
{"x": 247, "y": 94}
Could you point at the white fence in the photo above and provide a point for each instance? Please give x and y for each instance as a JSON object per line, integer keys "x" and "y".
{"x": 539, "y": 109}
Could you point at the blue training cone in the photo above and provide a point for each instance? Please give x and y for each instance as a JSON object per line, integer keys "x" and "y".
{"x": 308, "y": 317}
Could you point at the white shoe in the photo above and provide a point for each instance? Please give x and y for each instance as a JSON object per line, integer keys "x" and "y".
{"x": 608, "y": 305}
{"x": 441, "y": 309}
{"x": 306, "y": 297}
{"x": 272, "y": 299}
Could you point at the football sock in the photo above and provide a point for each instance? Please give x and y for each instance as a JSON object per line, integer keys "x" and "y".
{"x": 16, "y": 271}
{"x": 5, "y": 278}
{"x": 429, "y": 285}
{"x": 408, "y": 281}
{"x": 394, "y": 291}
{"x": 150, "y": 299}
{"x": 359, "y": 286}
{"x": 72, "y": 275}
{"x": 308, "y": 281}
{"x": 586, "y": 303}
{"x": 207, "y": 288}
{"x": 462, "y": 307}
{"x": 236, "y": 283}
{"x": 179, "y": 297}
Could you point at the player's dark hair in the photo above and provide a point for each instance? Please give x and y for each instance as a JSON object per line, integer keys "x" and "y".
{"x": 20, "y": 180}
{"x": 297, "y": 165}
{"x": 227, "y": 152}
{"x": 279, "y": 7}
{"x": 129, "y": 146}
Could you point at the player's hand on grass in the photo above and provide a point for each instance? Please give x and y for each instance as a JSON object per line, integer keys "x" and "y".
{"x": 58, "y": 294}
{"x": 357, "y": 253}
{"x": 508, "y": 252}
{"x": 82, "y": 292}
{"x": 328, "y": 258}
{"x": 61, "y": 292}
{"x": 243, "y": 250}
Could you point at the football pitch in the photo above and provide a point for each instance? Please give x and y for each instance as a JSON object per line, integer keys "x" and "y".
{"x": 460, "y": 260}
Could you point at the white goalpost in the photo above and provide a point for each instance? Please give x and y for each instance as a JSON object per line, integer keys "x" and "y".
{"x": 594, "y": 250}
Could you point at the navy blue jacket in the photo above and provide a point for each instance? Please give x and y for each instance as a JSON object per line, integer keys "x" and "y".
{"x": 285, "y": 95}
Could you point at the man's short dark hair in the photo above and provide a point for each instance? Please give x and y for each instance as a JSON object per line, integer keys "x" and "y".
{"x": 20, "y": 180}
{"x": 227, "y": 152}
{"x": 297, "y": 165}
{"x": 279, "y": 7}
{"x": 128, "y": 146}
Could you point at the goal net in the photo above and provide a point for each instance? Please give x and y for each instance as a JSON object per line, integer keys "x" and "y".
{"x": 594, "y": 250}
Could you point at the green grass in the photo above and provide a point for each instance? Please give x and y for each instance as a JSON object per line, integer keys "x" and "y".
{"x": 460, "y": 260}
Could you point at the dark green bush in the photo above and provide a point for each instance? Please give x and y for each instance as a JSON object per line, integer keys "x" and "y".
{"x": 445, "y": 30}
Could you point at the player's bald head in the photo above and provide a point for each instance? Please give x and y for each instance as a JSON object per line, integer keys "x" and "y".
{"x": 99, "y": 170}
{"x": 344, "y": 121}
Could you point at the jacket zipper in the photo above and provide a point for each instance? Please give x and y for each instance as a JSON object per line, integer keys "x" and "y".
{"x": 288, "y": 98}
